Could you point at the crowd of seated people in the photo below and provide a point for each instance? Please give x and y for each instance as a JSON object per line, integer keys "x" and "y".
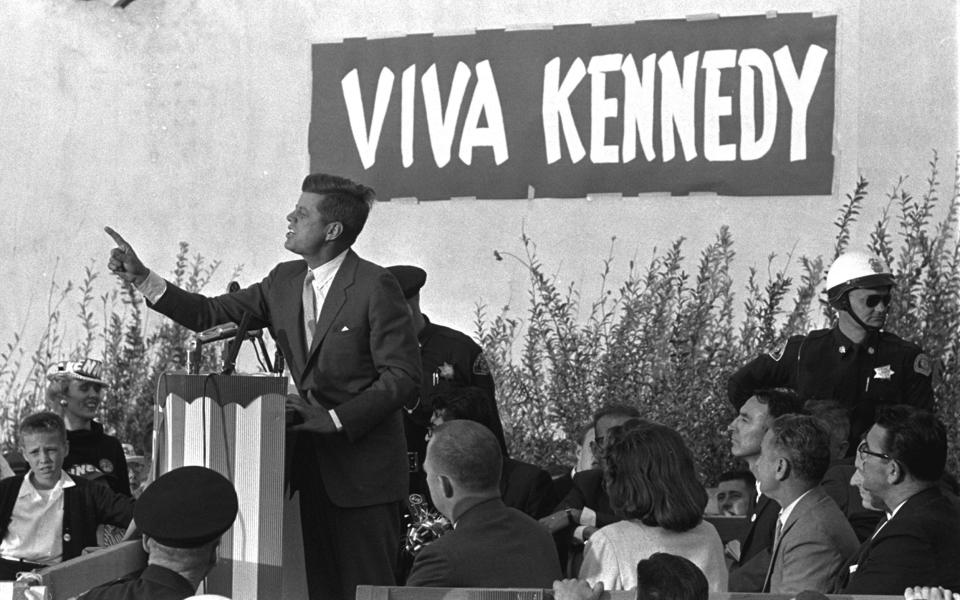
{"x": 799, "y": 528}
{"x": 810, "y": 516}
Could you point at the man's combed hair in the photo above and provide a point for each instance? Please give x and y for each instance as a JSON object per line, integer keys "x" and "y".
{"x": 43, "y": 422}
{"x": 468, "y": 453}
{"x": 805, "y": 441}
{"x": 739, "y": 475}
{"x": 916, "y": 438}
{"x": 343, "y": 200}
{"x": 670, "y": 577}
{"x": 650, "y": 476}
{"x": 453, "y": 401}
{"x": 833, "y": 414}
{"x": 779, "y": 401}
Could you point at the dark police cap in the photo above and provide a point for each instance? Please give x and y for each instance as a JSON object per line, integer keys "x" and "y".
{"x": 186, "y": 507}
{"x": 411, "y": 279}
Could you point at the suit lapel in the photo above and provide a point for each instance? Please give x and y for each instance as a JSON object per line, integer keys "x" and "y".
{"x": 799, "y": 511}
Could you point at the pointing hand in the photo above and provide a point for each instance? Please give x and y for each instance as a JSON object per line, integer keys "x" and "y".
{"x": 124, "y": 261}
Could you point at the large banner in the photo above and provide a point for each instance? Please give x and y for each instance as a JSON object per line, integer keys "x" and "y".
{"x": 740, "y": 106}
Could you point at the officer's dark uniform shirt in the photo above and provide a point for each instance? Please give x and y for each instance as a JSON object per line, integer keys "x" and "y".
{"x": 447, "y": 356}
{"x": 825, "y": 364}
{"x": 153, "y": 583}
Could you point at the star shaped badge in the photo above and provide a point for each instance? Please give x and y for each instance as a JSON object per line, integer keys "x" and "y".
{"x": 884, "y": 372}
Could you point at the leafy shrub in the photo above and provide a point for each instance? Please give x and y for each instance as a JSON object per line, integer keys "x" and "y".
{"x": 114, "y": 330}
{"x": 667, "y": 339}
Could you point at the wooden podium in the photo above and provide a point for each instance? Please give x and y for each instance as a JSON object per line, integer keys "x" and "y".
{"x": 235, "y": 425}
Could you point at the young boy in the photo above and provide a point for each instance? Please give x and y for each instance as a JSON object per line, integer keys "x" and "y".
{"x": 47, "y": 516}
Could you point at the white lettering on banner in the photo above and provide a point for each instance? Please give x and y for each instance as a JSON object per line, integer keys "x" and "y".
{"x": 638, "y": 107}
{"x": 367, "y": 142}
{"x": 716, "y": 106}
{"x": 677, "y": 101}
{"x": 799, "y": 91}
{"x": 441, "y": 121}
{"x": 751, "y": 146}
{"x": 678, "y": 96}
{"x": 442, "y": 124}
{"x": 556, "y": 105}
{"x": 485, "y": 100}
{"x": 484, "y": 125}
{"x": 408, "y": 89}
{"x": 602, "y": 107}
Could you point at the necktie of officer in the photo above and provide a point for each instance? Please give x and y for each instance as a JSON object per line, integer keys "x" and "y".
{"x": 309, "y": 309}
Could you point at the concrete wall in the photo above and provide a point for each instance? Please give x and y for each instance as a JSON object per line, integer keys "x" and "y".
{"x": 187, "y": 120}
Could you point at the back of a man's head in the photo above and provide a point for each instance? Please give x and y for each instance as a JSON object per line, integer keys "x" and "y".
{"x": 916, "y": 438}
{"x": 670, "y": 577}
{"x": 779, "y": 401}
{"x": 837, "y": 419}
{"x": 464, "y": 402}
{"x": 467, "y": 453}
{"x": 619, "y": 412}
{"x": 805, "y": 442}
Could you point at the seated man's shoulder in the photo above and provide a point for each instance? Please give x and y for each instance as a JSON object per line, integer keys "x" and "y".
{"x": 518, "y": 468}
{"x": 589, "y": 479}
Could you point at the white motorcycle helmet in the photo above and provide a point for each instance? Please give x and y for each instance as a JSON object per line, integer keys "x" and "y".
{"x": 856, "y": 270}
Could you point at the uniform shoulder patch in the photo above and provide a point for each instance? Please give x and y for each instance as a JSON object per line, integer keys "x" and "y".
{"x": 922, "y": 365}
{"x": 776, "y": 356}
{"x": 480, "y": 366}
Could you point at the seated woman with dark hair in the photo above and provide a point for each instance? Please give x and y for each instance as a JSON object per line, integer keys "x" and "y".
{"x": 650, "y": 478}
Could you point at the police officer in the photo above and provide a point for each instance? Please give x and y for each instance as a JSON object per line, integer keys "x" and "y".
{"x": 181, "y": 516}
{"x": 855, "y": 362}
{"x": 448, "y": 358}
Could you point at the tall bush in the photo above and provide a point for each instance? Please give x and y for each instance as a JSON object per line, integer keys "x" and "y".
{"x": 667, "y": 339}
{"x": 114, "y": 329}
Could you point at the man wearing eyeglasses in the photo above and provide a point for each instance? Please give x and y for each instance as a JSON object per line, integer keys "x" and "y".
{"x": 855, "y": 361}
{"x": 899, "y": 463}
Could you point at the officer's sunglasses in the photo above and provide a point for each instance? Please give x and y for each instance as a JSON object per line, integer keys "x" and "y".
{"x": 875, "y": 299}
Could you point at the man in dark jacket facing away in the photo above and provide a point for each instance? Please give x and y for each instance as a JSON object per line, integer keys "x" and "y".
{"x": 491, "y": 545}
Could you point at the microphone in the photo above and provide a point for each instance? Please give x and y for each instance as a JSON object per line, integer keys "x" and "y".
{"x": 215, "y": 334}
{"x": 230, "y": 362}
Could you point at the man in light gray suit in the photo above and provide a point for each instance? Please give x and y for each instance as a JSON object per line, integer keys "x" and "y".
{"x": 813, "y": 538}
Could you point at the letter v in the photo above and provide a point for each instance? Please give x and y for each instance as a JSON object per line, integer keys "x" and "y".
{"x": 367, "y": 143}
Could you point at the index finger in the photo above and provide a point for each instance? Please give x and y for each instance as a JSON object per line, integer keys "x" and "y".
{"x": 121, "y": 243}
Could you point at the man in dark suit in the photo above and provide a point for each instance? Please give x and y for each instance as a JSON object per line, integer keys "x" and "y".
{"x": 345, "y": 332}
{"x": 813, "y": 539}
{"x": 751, "y": 553}
{"x": 491, "y": 544}
{"x": 898, "y": 466}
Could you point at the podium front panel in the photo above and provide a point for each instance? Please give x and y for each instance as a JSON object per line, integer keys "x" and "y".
{"x": 234, "y": 425}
